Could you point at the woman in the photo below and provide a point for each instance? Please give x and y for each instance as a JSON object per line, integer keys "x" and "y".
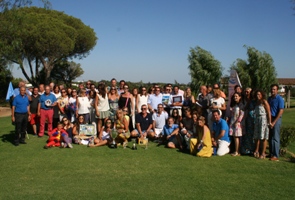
{"x": 189, "y": 99}
{"x": 248, "y": 146}
{"x": 68, "y": 127}
{"x": 237, "y": 115}
{"x": 142, "y": 98}
{"x": 55, "y": 108}
{"x": 126, "y": 100}
{"x": 62, "y": 103}
{"x": 83, "y": 106}
{"x": 135, "y": 96}
{"x": 102, "y": 106}
{"x": 175, "y": 115}
{"x": 217, "y": 102}
{"x": 76, "y": 128}
{"x": 69, "y": 92}
{"x": 122, "y": 127}
{"x": 113, "y": 102}
{"x": 92, "y": 96}
{"x": 262, "y": 120}
{"x": 202, "y": 146}
{"x": 72, "y": 106}
{"x": 104, "y": 136}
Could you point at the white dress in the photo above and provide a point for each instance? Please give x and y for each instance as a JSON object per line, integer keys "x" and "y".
{"x": 84, "y": 105}
{"x": 103, "y": 107}
{"x": 142, "y": 99}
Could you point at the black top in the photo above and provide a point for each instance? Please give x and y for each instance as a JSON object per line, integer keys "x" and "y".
{"x": 34, "y": 104}
{"x": 144, "y": 122}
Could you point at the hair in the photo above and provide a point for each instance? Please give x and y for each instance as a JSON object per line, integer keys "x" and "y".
{"x": 119, "y": 111}
{"x": 171, "y": 118}
{"x": 236, "y": 86}
{"x": 141, "y": 91}
{"x": 216, "y": 92}
{"x": 262, "y": 93}
{"x": 102, "y": 89}
{"x": 92, "y": 94}
{"x": 274, "y": 85}
{"x": 202, "y": 118}
{"x": 113, "y": 79}
{"x": 215, "y": 111}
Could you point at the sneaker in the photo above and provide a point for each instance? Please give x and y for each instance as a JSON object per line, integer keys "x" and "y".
{"x": 62, "y": 145}
{"x": 274, "y": 159}
{"x": 125, "y": 144}
{"x": 70, "y": 145}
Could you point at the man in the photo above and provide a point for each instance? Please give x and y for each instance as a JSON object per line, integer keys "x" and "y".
{"x": 154, "y": 100}
{"x": 51, "y": 85}
{"x": 144, "y": 124}
{"x": 35, "y": 119}
{"x": 187, "y": 126}
{"x": 16, "y": 91}
{"x": 45, "y": 110}
{"x": 276, "y": 104}
{"x": 204, "y": 99}
{"x": 41, "y": 89}
{"x": 165, "y": 98}
{"x": 20, "y": 114}
{"x": 88, "y": 87}
{"x": 113, "y": 85}
{"x": 176, "y": 100}
{"x": 170, "y": 134}
{"x": 159, "y": 120}
{"x": 220, "y": 137}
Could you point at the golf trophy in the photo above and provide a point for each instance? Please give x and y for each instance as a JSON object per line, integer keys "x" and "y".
{"x": 114, "y": 134}
{"x": 134, "y": 144}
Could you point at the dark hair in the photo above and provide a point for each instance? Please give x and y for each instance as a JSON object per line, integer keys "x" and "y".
{"x": 274, "y": 85}
{"x": 262, "y": 93}
{"x": 215, "y": 110}
{"x": 102, "y": 90}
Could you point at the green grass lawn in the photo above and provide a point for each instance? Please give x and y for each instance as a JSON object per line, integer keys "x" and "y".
{"x": 31, "y": 172}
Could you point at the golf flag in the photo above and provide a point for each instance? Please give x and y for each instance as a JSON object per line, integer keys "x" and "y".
{"x": 9, "y": 92}
{"x": 232, "y": 82}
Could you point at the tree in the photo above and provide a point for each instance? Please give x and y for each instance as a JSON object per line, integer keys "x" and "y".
{"x": 10, "y": 4}
{"x": 258, "y": 71}
{"x": 65, "y": 72}
{"x": 40, "y": 38}
{"x": 204, "y": 68}
{"x": 5, "y": 77}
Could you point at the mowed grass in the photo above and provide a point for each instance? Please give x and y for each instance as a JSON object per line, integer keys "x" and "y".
{"x": 31, "y": 172}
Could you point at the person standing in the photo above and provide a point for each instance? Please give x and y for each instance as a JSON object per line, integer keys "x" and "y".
{"x": 35, "y": 119}
{"x": 276, "y": 104}
{"x": 20, "y": 114}
{"x": 45, "y": 110}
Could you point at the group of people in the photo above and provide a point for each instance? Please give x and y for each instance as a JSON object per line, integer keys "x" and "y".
{"x": 204, "y": 125}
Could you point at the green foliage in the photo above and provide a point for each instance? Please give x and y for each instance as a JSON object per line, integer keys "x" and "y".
{"x": 258, "y": 71}
{"x": 287, "y": 136}
{"x": 5, "y": 77}
{"x": 204, "y": 68}
{"x": 42, "y": 38}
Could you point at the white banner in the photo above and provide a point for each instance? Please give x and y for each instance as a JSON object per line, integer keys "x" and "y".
{"x": 232, "y": 82}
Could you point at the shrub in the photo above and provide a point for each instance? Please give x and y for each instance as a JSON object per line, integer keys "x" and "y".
{"x": 287, "y": 136}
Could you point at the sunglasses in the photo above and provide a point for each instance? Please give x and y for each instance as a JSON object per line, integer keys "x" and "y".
{"x": 65, "y": 120}
{"x": 108, "y": 122}
{"x": 125, "y": 110}
{"x": 143, "y": 108}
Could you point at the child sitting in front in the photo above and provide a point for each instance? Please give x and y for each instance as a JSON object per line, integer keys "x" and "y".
{"x": 58, "y": 136}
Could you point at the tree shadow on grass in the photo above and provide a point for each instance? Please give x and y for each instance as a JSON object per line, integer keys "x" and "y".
{"x": 8, "y": 137}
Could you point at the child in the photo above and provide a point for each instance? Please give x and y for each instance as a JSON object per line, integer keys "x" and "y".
{"x": 56, "y": 136}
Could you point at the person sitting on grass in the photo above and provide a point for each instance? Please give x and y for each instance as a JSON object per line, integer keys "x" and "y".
{"x": 220, "y": 134}
{"x": 76, "y": 129}
{"x": 104, "y": 137}
{"x": 122, "y": 128}
{"x": 171, "y": 135}
{"x": 202, "y": 145}
{"x": 68, "y": 127}
{"x": 58, "y": 135}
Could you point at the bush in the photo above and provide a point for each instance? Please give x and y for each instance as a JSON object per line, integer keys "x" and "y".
{"x": 287, "y": 136}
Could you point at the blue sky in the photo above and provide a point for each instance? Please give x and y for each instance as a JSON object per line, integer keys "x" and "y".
{"x": 149, "y": 40}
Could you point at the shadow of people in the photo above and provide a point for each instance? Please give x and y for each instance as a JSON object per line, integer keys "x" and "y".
{"x": 8, "y": 137}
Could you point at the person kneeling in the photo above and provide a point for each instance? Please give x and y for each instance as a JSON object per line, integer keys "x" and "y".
{"x": 202, "y": 145}
{"x": 170, "y": 134}
{"x": 56, "y": 136}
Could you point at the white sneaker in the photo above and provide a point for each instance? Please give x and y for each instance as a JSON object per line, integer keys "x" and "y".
{"x": 70, "y": 145}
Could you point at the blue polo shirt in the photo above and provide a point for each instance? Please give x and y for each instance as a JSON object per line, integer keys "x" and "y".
{"x": 276, "y": 103}
{"x": 21, "y": 104}
{"x": 50, "y": 98}
{"x": 168, "y": 130}
{"x": 218, "y": 127}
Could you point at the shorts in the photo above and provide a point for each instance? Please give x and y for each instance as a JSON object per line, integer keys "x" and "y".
{"x": 35, "y": 119}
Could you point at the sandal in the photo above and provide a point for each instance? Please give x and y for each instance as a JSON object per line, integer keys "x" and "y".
{"x": 235, "y": 154}
{"x": 256, "y": 154}
{"x": 262, "y": 156}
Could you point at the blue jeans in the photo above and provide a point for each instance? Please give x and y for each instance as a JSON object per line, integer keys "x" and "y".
{"x": 274, "y": 139}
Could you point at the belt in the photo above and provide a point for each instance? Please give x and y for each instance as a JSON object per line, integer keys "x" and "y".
{"x": 20, "y": 113}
